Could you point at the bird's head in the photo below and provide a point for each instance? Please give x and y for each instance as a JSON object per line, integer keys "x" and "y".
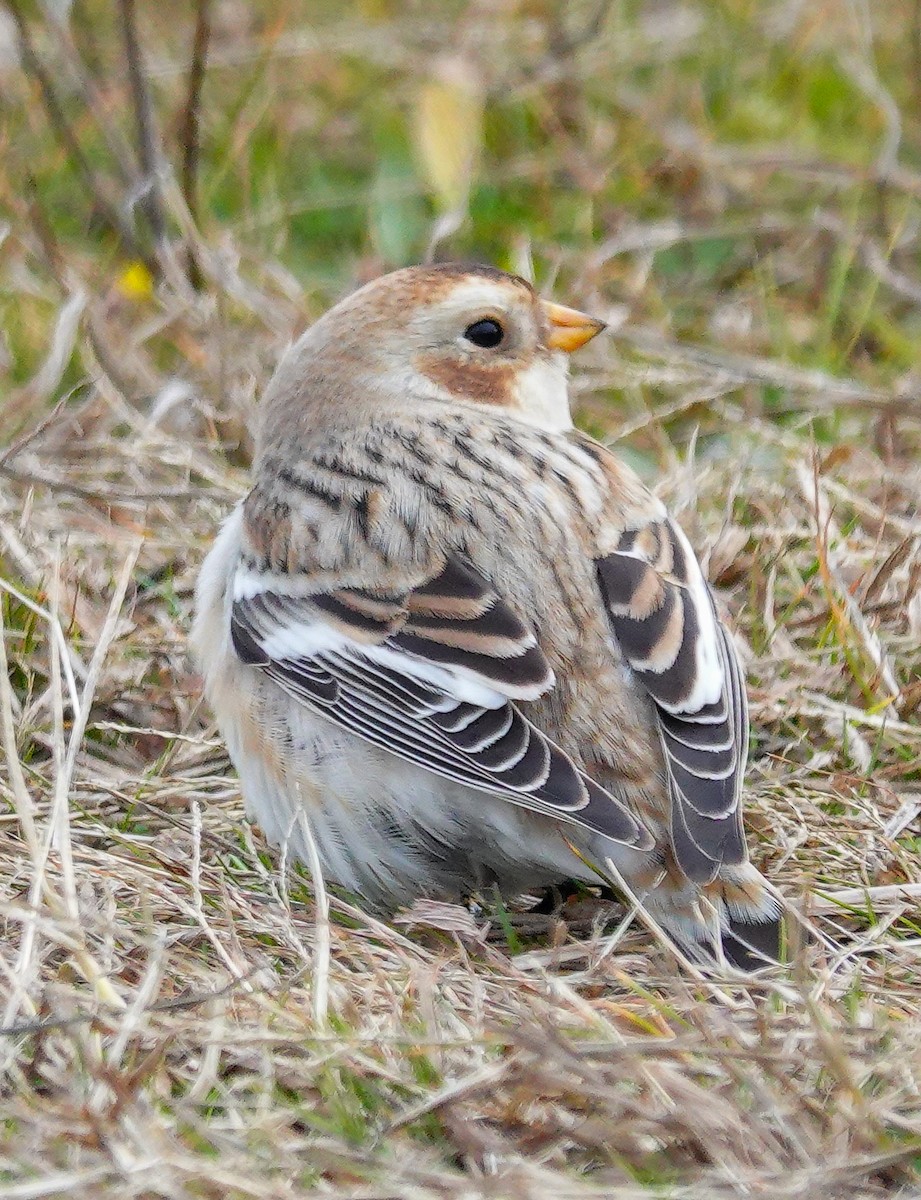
{"x": 450, "y": 333}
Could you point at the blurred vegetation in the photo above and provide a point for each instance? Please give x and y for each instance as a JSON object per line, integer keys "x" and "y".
{"x": 782, "y": 139}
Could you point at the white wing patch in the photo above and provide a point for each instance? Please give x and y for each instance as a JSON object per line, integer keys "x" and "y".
{"x": 709, "y": 675}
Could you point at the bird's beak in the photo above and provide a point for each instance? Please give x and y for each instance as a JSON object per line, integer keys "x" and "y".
{"x": 569, "y": 328}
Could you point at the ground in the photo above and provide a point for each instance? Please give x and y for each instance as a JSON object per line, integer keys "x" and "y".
{"x": 735, "y": 187}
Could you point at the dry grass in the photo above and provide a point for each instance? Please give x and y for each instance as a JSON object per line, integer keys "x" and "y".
{"x": 173, "y": 1023}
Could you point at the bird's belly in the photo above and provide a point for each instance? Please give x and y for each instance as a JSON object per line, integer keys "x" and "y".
{"x": 387, "y": 829}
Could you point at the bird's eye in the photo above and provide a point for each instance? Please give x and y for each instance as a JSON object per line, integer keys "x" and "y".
{"x": 486, "y": 333}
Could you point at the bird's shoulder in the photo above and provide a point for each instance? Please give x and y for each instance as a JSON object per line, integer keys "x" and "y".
{"x": 400, "y": 492}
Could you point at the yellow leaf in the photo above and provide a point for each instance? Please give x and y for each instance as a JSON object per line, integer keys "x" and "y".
{"x": 449, "y": 131}
{"x": 135, "y": 282}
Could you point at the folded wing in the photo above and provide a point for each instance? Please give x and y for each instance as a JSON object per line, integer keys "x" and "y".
{"x": 663, "y": 617}
{"x": 430, "y": 673}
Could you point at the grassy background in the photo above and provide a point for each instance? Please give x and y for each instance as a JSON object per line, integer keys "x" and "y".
{"x": 735, "y": 186}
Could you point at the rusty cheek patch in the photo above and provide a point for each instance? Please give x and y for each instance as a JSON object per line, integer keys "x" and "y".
{"x": 488, "y": 382}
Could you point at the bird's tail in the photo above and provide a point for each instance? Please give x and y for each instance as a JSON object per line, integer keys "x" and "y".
{"x": 737, "y": 913}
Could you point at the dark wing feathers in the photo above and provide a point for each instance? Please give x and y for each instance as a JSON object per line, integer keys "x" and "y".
{"x": 428, "y": 675}
{"x": 431, "y": 674}
{"x": 358, "y": 613}
{"x": 456, "y": 585}
{"x": 663, "y": 617}
{"x": 526, "y": 669}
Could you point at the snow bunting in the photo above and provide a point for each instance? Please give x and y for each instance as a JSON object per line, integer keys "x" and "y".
{"x": 462, "y": 639}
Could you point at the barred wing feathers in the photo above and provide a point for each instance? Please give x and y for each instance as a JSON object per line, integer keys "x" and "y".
{"x": 663, "y": 617}
{"x": 430, "y": 674}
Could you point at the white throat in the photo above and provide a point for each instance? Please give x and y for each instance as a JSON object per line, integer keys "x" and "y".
{"x": 542, "y": 394}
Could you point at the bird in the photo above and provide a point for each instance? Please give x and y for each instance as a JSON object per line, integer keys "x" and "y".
{"x": 453, "y": 643}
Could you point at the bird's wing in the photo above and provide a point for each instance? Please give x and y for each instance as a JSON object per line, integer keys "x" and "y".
{"x": 429, "y": 672}
{"x": 663, "y": 617}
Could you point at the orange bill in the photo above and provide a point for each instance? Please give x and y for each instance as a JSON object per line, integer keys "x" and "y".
{"x": 569, "y": 328}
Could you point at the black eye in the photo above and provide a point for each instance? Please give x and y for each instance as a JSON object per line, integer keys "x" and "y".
{"x": 486, "y": 333}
